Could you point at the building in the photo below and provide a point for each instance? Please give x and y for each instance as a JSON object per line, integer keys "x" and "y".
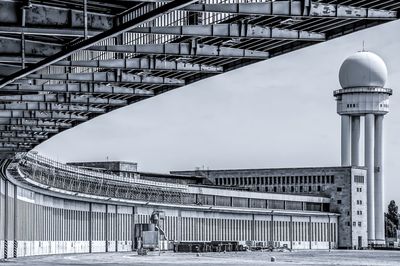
{"x": 123, "y": 169}
{"x": 355, "y": 191}
{"x": 363, "y": 95}
{"x": 344, "y": 186}
{"x": 129, "y": 170}
{"x": 53, "y": 208}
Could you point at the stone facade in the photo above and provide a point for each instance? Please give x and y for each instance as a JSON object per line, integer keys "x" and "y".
{"x": 345, "y": 186}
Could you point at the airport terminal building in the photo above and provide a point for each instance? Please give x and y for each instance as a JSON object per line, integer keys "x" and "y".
{"x": 53, "y": 208}
{"x": 345, "y": 187}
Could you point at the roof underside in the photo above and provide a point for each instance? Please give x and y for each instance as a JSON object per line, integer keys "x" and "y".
{"x": 63, "y": 62}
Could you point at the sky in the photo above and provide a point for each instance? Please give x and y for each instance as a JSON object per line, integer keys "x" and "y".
{"x": 276, "y": 113}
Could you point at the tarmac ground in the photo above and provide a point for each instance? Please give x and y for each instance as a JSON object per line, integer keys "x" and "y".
{"x": 256, "y": 258}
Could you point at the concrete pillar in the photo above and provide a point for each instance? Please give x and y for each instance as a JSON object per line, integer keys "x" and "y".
{"x": 355, "y": 141}
{"x": 369, "y": 164}
{"x": 345, "y": 145}
{"x": 379, "y": 190}
{"x": 90, "y": 236}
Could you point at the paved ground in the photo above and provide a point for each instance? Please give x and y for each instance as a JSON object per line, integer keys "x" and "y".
{"x": 296, "y": 258}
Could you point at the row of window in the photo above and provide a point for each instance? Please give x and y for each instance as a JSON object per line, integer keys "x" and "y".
{"x": 355, "y": 224}
{"x": 356, "y": 105}
{"x": 274, "y": 180}
{"x": 293, "y": 189}
{"x": 359, "y": 179}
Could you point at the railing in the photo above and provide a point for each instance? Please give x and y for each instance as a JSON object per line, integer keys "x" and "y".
{"x": 73, "y": 182}
{"x": 36, "y": 159}
{"x": 47, "y": 173}
{"x": 363, "y": 90}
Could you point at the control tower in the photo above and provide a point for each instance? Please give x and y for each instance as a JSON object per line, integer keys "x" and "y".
{"x": 363, "y": 95}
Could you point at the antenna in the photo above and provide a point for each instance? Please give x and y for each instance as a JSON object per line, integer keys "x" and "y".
{"x": 363, "y": 46}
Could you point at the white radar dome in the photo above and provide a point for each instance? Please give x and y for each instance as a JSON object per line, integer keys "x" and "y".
{"x": 363, "y": 69}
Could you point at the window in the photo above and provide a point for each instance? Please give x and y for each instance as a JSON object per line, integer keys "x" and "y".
{"x": 359, "y": 224}
{"x": 339, "y": 202}
{"x": 339, "y": 189}
{"x": 354, "y": 223}
{"x": 359, "y": 189}
{"x": 359, "y": 179}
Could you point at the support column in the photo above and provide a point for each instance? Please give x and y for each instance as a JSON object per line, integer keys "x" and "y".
{"x": 355, "y": 141}
{"x": 90, "y": 237}
{"x": 369, "y": 164}
{"x": 379, "y": 190}
{"x": 345, "y": 145}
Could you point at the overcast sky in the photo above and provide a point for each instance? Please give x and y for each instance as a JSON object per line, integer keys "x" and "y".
{"x": 276, "y": 113}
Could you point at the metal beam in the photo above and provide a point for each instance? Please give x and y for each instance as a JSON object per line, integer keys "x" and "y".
{"x": 19, "y": 140}
{"x": 50, "y": 107}
{"x": 9, "y": 153}
{"x": 15, "y": 134}
{"x": 147, "y": 64}
{"x": 243, "y": 31}
{"x": 33, "y": 123}
{"x": 41, "y": 115}
{"x": 25, "y": 129}
{"x": 12, "y": 47}
{"x": 109, "y": 77}
{"x": 183, "y": 49}
{"x": 62, "y": 99}
{"x": 78, "y": 88}
{"x": 115, "y": 31}
{"x": 16, "y": 146}
{"x": 50, "y": 16}
{"x": 63, "y": 32}
{"x": 294, "y": 9}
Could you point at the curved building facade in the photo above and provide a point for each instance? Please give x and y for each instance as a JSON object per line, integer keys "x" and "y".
{"x": 44, "y": 213}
